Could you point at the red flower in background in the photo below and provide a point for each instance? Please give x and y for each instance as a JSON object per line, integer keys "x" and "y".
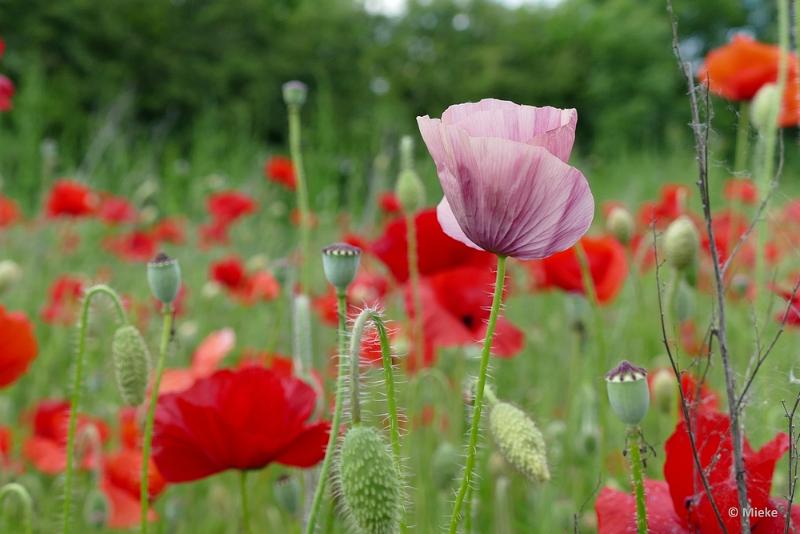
{"x": 389, "y": 203}
{"x": 9, "y": 212}
{"x": 280, "y": 170}
{"x": 367, "y": 289}
{"x": 46, "y": 448}
{"x": 18, "y": 348}
{"x": 64, "y": 299}
{"x": 607, "y": 264}
{"x": 169, "y": 230}
{"x": 437, "y": 252}
{"x": 728, "y": 228}
{"x": 669, "y": 207}
{"x": 116, "y": 210}
{"x": 248, "y": 288}
{"x": 790, "y": 314}
{"x": 230, "y": 206}
{"x": 244, "y": 419}
{"x": 229, "y": 273}
{"x": 135, "y": 246}
{"x": 741, "y": 190}
{"x": 205, "y": 360}
{"x": 6, "y": 93}
{"x": 69, "y": 198}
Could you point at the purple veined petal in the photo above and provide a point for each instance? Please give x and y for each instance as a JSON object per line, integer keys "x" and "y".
{"x": 450, "y": 225}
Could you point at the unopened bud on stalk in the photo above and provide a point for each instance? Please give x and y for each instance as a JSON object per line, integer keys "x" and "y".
{"x": 628, "y": 393}
{"x": 294, "y": 93}
{"x": 10, "y": 273}
{"x": 410, "y": 191}
{"x": 287, "y": 493}
{"x": 340, "y": 262}
{"x": 519, "y": 440}
{"x": 164, "y": 277}
{"x": 681, "y": 242}
{"x": 765, "y": 107}
{"x": 620, "y": 224}
{"x": 663, "y": 390}
{"x": 131, "y": 364}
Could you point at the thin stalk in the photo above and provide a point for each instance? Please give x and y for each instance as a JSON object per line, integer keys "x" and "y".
{"x": 413, "y": 276}
{"x": 635, "y": 449}
{"x": 391, "y": 402}
{"x": 302, "y": 194}
{"x": 341, "y": 299}
{"x": 144, "y": 494}
{"x": 478, "y": 407}
{"x": 77, "y": 382}
{"x": 742, "y": 134}
{"x": 245, "y": 505}
{"x": 13, "y": 488}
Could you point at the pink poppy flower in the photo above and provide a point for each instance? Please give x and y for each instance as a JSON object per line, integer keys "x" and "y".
{"x": 507, "y": 186}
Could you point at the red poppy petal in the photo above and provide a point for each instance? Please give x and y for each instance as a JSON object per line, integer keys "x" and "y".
{"x": 309, "y": 447}
{"x": 616, "y": 511}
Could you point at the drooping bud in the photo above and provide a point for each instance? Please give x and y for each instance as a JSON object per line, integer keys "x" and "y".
{"x": 410, "y": 191}
{"x": 340, "y": 262}
{"x": 628, "y": 393}
{"x": 445, "y": 465}
{"x": 287, "y": 493}
{"x": 663, "y": 386}
{"x": 294, "y": 93}
{"x": 518, "y": 439}
{"x": 10, "y": 274}
{"x": 681, "y": 242}
{"x": 131, "y": 364}
{"x": 765, "y": 107}
{"x": 164, "y": 277}
{"x": 620, "y": 224}
{"x": 96, "y": 509}
{"x": 370, "y": 484}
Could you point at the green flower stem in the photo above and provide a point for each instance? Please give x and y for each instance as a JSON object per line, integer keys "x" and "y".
{"x": 13, "y": 488}
{"x": 391, "y": 402}
{"x": 742, "y": 134}
{"x": 635, "y": 448}
{"x": 77, "y": 383}
{"x": 302, "y": 195}
{"x": 413, "y": 275}
{"x": 245, "y": 505}
{"x": 144, "y": 494}
{"x": 476, "y": 410}
{"x": 337, "y": 414}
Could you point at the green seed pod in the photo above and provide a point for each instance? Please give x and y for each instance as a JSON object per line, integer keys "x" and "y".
{"x": 131, "y": 364}
{"x": 765, "y": 108}
{"x": 340, "y": 262}
{"x": 287, "y": 493}
{"x": 445, "y": 465}
{"x": 410, "y": 191}
{"x": 519, "y": 440}
{"x": 370, "y": 484}
{"x": 628, "y": 392}
{"x": 96, "y": 509}
{"x": 664, "y": 392}
{"x": 681, "y": 242}
{"x": 620, "y": 224}
{"x": 294, "y": 93}
{"x": 164, "y": 277}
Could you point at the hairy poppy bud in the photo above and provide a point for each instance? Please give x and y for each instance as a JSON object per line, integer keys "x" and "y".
{"x": 445, "y": 465}
{"x": 519, "y": 440}
{"x": 681, "y": 242}
{"x": 370, "y": 484}
{"x": 96, "y": 509}
{"x": 10, "y": 274}
{"x": 287, "y": 493}
{"x": 164, "y": 277}
{"x": 294, "y": 93}
{"x": 340, "y": 262}
{"x": 628, "y": 392}
{"x": 410, "y": 191}
{"x": 663, "y": 390}
{"x": 131, "y": 364}
{"x": 620, "y": 224}
{"x": 765, "y": 107}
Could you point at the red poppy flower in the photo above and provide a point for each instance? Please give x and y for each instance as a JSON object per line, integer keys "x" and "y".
{"x": 699, "y": 396}
{"x": 6, "y": 93}
{"x": 64, "y": 299}
{"x": 280, "y": 170}
{"x": 728, "y": 227}
{"x": 243, "y": 419}
{"x": 607, "y": 264}
{"x": 680, "y": 505}
{"x": 135, "y": 246}
{"x": 69, "y": 198}
{"x": 389, "y": 203}
{"x": 741, "y": 190}
{"x": 169, "y": 230}
{"x": 116, "y": 210}
{"x": 437, "y": 251}
{"x": 230, "y": 206}
{"x": 455, "y": 310}
{"x": 9, "y": 212}
{"x": 248, "y": 288}
{"x": 367, "y": 289}
{"x": 214, "y": 233}
{"x": 690, "y": 339}
{"x": 46, "y": 448}
{"x": 662, "y": 212}
{"x": 790, "y": 313}
{"x": 205, "y": 360}
{"x": 229, "y": 272}
{"x": 19, "y": 346}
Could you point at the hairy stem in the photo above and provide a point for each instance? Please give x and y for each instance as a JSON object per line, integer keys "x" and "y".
{"x": 13, "y": 488}
{"x": 635, "y": 449}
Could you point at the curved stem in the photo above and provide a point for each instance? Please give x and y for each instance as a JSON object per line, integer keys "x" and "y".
{"x": 77, "y": 382}
{"x": 388, "y": 373}
{"x": 635, "y": 448}
{"x": 413, "y": 275}
{"x": 245, "y": 505}
{"x": 476, "y": 410}
{"x": 144, "y": 494}
{"x": 302, "y": 194}
{"x": 13, "y": 488}
{"x": 337, "y": 414}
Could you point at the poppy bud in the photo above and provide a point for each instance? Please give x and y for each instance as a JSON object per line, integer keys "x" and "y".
{"x": 164, "y": 277}
{"x": 620, "y": 224}
{"x": 410, "y": 191}
{"x": 96, "y": 509}
{"x": 370, "y": 484}
{"x": 445, "y": 465}
{"x": 294, "y": 93}
{"x": 663, "y": 390}
{"x": 765, "y": 107}
{"x": 340, "y": 262}
{"x": 131, "y": 364}
{"x": 287, "y": 493}
{"x": 10, "y": 274}
{"x": 684, "y": 302}
{"x": 406, "y": 152}
{"x": 519, "y": 440}
{"x": 681, "y": 242}
{"x": 628, "y": 393}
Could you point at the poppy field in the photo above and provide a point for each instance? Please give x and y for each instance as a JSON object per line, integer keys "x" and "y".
{"x": 478, "y": 316}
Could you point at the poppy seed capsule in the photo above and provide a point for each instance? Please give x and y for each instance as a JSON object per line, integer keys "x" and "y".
{"x": 519, "y": 440}
{"x": 340, "y": 262}
{"x": 765, "y": 107}
{"x": 294, "y": 93}
{"x": 628, "y": 393}
{"x": 131, "y": 364}
{"x": 681, "y": 242}
{"x": 164, "y": 277}
{"x": 370, "y": 484}
{"x": 410, "y": 191}
{"x": 620, "y": 224}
